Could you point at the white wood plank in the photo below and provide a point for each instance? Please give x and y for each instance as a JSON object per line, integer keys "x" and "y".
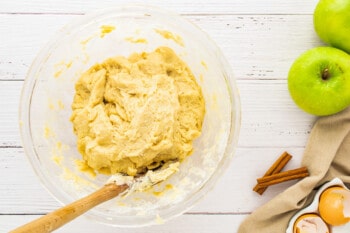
{"x": 19, "y": 180}
{"x": 21, "y": 37}
{"x": 185, "y": 223}
{"x": 231, "y": 195}
{"x": 256, "y": 46}
{"x": 9, "y": 123}
{"x": 269, "y": 116}
{"x": 180, "y": 6}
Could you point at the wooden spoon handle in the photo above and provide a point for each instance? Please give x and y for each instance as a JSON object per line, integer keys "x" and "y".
{"x": 60, "y": 217}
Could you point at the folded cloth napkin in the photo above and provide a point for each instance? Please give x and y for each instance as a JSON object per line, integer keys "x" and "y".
{"x": 327, "y": 155}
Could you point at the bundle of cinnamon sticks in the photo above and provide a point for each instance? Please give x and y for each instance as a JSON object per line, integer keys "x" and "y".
{"x": 274, "y": 175}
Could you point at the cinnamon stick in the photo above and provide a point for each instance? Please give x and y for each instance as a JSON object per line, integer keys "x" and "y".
{"x": 282, "y": 177}
{"x": 276, "y": 167}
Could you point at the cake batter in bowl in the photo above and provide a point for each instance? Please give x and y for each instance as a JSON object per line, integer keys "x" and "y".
{"x": 48, "y": 94}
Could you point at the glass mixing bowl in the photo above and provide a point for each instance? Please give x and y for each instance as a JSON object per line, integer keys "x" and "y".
{"x": 48, "y": 90}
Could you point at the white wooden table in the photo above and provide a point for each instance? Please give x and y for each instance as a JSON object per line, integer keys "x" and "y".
{"x": 260, "y": 38}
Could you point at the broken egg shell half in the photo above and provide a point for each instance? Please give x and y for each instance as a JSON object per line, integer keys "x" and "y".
{"x": 334, "y": 205}
{"x": 310, "y": 223}
{"x": 313, "y": 208}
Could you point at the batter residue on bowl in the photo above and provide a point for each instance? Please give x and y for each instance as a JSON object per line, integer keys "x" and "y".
{"x": 135, "y": 114}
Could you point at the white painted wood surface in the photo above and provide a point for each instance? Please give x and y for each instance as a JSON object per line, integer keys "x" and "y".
{"x": 260, "y": 40}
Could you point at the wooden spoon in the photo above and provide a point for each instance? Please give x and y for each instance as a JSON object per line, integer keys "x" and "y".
{"x": 60, "y": 217}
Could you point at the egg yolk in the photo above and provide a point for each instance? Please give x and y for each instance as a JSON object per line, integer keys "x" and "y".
{"x": 334, "y": 206}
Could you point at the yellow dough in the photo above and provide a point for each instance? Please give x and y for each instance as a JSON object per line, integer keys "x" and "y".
{"x": 134, "y": 114}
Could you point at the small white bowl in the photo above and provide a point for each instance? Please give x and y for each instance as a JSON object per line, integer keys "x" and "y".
{"x": 313, "y": 208}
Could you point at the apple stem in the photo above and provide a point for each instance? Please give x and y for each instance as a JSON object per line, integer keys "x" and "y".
{"x": 325, "y": 74}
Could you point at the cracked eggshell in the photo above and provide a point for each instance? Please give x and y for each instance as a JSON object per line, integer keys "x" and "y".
{"x": 310, "y": 223}
{"x": 334, "y": 205}
{"x": 313, "y": 209}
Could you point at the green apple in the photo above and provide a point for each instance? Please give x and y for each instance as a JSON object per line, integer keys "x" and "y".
{"x": 319, "y": 81}
{"x": 332, "y": 23}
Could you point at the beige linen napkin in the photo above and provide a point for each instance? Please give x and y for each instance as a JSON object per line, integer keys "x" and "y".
{"x": 327, "y": 155}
